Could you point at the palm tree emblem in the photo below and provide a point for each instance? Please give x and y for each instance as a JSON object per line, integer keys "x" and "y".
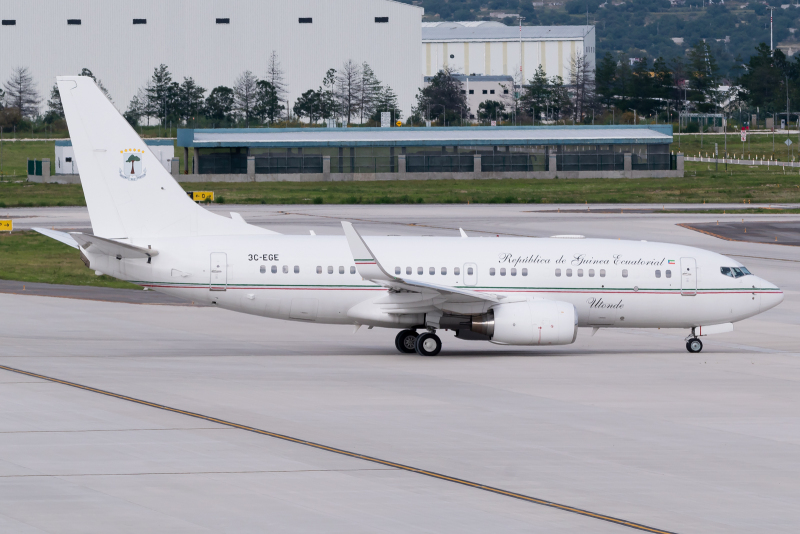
{"x": 133, "y": 158}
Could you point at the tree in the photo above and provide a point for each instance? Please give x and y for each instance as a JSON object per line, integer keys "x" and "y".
{"x": 136, "y": 109}
{"x": 642, "y": 87}
{"x": 159, "y": 93}
{"x": 491, "y": 109}
{"x": 559, "y": 97}
{"x": 604, "y": 80}
{"x": 87, "y": 72}
{"x": 369, "y": 93}
{"x": 275, "y": 77}
{"x": 267, "y": 103}
{"x": 55, "y": 110}
{"x": 244, "y": 95}
{"x": 348, "y": 83}
{"x": 442, "y": 93}
{"x": 308, "y": 105}
{"x": 536, "y": 94}
{"x": 762, "y": 82}
{"x": 582, "y": 82}
{"x": 219, "y": 104}
{"x": 21, "y": 93}
{"x": 327, "y": 98}
{"x": 386, "y": 101}
{"x": 703, "y": 77}
{"x": 190, "y": 99}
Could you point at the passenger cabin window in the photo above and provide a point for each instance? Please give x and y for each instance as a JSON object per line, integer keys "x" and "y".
{"x": 525, "y": 271}
{"x": 658, "y": 273}
{"x": 668, "y": 273}
{"x": 624, "y": 273}
{"x": 296, "y": 269}
{"x": 470, "y": 271}
{"x": 513, "y": 272}
{"x": 319, "y": 269}
{"x": 420, "y": 270}
{"x": 397, "y": 270}
{"x": 352, "y": 270}
{"x": 569, "y": 272}
{"x": 273, "y": 269}
{"x": 491, "y": 271}
{"x": 444, "y": 270}
{"x": 580, "y": 272}
{"x": 330, "y": 269}
{"x": 558, "y": 272}
{"x": 263, "y": 269}
{"x": 431, "y": 270}
{"x": 285, "y": 269}
{"x": 456, "y": 271}
{"x": 503, "y": 271}
{"x": 408, "y": 270}
{"x": 602, "y": 273}
{"x": 591, "y": 273}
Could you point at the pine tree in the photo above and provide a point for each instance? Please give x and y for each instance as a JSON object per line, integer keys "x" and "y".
{"x": 348, "y": 84}
{"x": 275, "y": 76}
{"x": 604, "y": 80}
{"x": 219, "y": 104}
{"x": 87, "y": 72}
{"x": 268, "y": 107}
{"x": 244, "y": 94}
{"x": 537, "y": 93}
{"x": 21, "y": 93}
{"x": 190, "y": 99}
{"x": 157, "y": 92}
{"x": 369, "y": 93}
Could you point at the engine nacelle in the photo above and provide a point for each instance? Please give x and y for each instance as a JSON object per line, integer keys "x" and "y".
{"x": 533, "y": 322}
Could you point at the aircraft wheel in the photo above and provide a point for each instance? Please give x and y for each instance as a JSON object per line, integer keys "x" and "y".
{"x": 428, "y": 344}
{"x": 694, "y": 345}
{"x": 406, "y": 341}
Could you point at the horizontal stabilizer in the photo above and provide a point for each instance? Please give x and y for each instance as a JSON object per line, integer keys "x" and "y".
{"x": 64, "y": 237}
{"x": 100, "y": 245}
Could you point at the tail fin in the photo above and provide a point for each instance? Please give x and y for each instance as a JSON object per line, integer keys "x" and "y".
{"x": 127, "y": 190}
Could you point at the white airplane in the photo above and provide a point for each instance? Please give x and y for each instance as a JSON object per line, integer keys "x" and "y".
{"x": 509, "y": 291}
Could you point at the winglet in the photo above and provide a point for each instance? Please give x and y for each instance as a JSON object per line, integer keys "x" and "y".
{"x": 368, "y": 266}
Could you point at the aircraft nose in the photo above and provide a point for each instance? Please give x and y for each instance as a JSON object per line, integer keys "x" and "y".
{"x": 771, "y": 295}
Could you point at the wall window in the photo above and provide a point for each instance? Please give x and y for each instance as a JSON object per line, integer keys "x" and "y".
{"x": 352, "y": 270}
{"x": 444, "y": 270}
{"x": 296, "y": 269}
{"x": 263, "y": 269}
{"x": 319, "y": 269}
{"x": 525, "y": 271}
{"x": 658, "y": 273}
{"x": 491, "y": 92}
{"x": 223, "y": 21}
{"x": 382, "y": 19}
{"x": 140, "y": 21}
{"x": 602, "y": 273}
{"x": 452, "y": 56}
{"x": 472, "y": 91}
{"x": 505, "y": 91}
{"x": 591, "y": 273}
{"x": 397, "y": 270}
{"x": 285, "y": 269}
{"x": 304, "y": 20}
{"x": 9, "y": 22}
{"x": 273, "y": 269}
{"x": 491, "y": 271}
{"x": 668, "y": 273}
{"x": 484, "y": 91}
{"x": 558, "y": 272}
{"x": 624, "y": 273}
{"x": 463, "y": 92}
{"x": 74, "y": 22}
{"x": 420, "y": 270}
{"x": 456, "y": 271}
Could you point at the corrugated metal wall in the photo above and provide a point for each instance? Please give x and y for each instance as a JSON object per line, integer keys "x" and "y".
{"x": 183, "y": 34}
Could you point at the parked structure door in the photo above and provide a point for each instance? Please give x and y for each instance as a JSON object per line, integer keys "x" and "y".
{"x": 688, "y": 277}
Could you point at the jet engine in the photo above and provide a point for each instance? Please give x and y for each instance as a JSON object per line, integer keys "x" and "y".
{"x": 533, "y": 322}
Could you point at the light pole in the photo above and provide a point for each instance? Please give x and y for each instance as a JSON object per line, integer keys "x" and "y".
{"x": 771, "y": 9}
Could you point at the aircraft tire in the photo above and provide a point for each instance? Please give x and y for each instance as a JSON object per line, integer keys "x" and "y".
{"x": 428, "y": 344}
{"x": 694, "y": 345}
{"x": 406, "y": 341}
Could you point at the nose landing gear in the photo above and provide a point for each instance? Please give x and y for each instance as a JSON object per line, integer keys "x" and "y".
{"x": 694, "y": 345}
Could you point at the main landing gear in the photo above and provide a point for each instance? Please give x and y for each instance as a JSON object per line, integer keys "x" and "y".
{"x": 694, "y": 345}
{"x": 426, "y": 344}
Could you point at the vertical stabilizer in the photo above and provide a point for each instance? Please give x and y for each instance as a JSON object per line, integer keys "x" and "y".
{"x": 128, "y": 192}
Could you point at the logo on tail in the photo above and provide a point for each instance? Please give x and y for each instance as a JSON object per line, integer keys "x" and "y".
{"x": 132, "y": 164}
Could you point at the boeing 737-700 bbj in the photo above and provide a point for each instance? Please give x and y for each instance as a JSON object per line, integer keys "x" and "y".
{"x": 510, "y": 291}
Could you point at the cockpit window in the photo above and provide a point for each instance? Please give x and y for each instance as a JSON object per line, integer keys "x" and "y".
{"x": 734, "y": 272}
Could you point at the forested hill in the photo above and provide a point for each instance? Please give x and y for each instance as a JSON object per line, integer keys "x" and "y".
{"x": 638, "y": 28}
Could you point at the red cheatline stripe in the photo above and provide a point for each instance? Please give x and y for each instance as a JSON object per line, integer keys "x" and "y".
{"x": 402, "y": 467}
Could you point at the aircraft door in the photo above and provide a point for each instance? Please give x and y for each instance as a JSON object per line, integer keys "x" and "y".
{"x": 688, "y": 277}
{"x": 470, "y": 274}
{"x": 219, "y": 272}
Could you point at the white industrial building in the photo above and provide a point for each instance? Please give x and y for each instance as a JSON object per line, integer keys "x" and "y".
{"x": 122, "y": 42}
{"x": 66, "y": 163}
{"x": 491, "y": 48}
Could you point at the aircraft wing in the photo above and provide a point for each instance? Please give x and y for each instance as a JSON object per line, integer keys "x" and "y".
{"x": 370, "y": 268}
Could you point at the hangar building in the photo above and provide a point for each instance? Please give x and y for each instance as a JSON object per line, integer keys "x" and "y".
{"x": 213, "y": 42}
{"x": 490, "y": 48}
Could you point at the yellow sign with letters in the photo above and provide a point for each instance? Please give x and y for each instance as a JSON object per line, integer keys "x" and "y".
{"x": 6, "y": 225}
{"x": 202, "y": 196}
